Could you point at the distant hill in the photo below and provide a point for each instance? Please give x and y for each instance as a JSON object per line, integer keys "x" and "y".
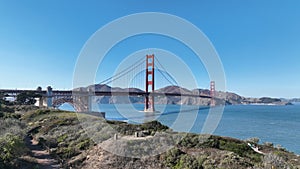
{"x": 294, "y": 100}
{"x": 228, "y": 98}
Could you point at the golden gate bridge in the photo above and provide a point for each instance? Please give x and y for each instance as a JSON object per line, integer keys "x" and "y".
{"x": 81, "y": 98}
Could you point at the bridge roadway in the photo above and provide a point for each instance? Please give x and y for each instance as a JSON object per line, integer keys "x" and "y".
{"x": 12, "y": 92}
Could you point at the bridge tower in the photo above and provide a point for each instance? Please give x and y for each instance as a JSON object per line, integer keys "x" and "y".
{"x": 212, "y": 93}
{"x": 40, "y": 98}
{"x": 149, "y": 100}
{"x": 49, "y": 96}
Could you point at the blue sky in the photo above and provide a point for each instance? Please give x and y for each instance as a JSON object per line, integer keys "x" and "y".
{"x": 258, "y": 41}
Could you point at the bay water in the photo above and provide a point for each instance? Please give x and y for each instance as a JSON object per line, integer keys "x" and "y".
{"x": 277, "y": 124}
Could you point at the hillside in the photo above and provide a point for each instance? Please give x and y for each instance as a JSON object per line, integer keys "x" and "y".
{"x": 65, "y": 135}
{"x": 228, "y": 98}
{"x": 294, "y": 100}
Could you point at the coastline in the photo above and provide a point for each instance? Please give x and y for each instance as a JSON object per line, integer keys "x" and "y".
{"x": 61, "y": 133}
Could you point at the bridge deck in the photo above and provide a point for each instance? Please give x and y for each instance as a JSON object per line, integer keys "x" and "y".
{"x": 101, "y": 93}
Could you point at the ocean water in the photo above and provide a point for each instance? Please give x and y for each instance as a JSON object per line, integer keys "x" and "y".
{"x": 277, "y": 124}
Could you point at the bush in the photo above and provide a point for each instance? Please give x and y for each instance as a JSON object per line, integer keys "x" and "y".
{"x": 32, "y": 114}
{"x": 176, "y": 159}
{"x": 8, "y": 112}
{"x": 130, "y": 129}
{"x": 173, "y": 157}
{"x": 11, "y": 142}
{"x": 189, "y": 162}
{"x": 11, "y": 126}
{"x": 11, "y": 147}
{"x": 7, "y": 109}
{"x": 274, "y": 161}
{"x": 67, "y": 152}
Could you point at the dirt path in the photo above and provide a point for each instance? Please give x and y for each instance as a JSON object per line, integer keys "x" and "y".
{"x": 41, "y": 156}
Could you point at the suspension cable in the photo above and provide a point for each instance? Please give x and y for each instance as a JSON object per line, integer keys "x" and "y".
{"x": 174, "y": 83}
{"x": 121, "y": 73}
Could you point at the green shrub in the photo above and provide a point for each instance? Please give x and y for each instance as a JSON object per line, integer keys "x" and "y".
{"x": 84, "y": 144}
{"x": 173, "y": 157}
{"x": 67, "y": 152}
{"x": 188, "y": 162}
{"x": 240, "y": 148}
{"x": 11, "y": 147}
{"x": 130, "y": 129}
{"x": 7, "y": 109}
{"x": 62, "y": 138}
{"x": 11, "y": 115}
{"x": 12, "y": 126}
{"x": 176, "y": 159}
{"x": 8, "y": 112}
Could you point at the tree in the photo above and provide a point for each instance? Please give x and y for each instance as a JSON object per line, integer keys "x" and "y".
{"x": 26, "y": 98}
{"x": 4, "y": 109}
{"x": 2, "y": 98}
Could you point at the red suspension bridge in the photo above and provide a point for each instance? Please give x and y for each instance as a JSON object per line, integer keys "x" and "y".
{"x": 81, "y": 98}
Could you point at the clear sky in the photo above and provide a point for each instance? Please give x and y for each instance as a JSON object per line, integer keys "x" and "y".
{"x": 258, "y": 41}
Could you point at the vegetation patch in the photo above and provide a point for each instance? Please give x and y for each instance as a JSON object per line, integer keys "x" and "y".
{"x": 12, "y": 135}
{"x": 64, "y": 134}
{"x": 129, "y": 129}
{"x": 60, "y": 132}
{"x": 11, "y": 148}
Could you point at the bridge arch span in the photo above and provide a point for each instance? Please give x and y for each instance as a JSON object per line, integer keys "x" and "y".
{"x": 60, "y": 101}
{"x": 76, "y": 104}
